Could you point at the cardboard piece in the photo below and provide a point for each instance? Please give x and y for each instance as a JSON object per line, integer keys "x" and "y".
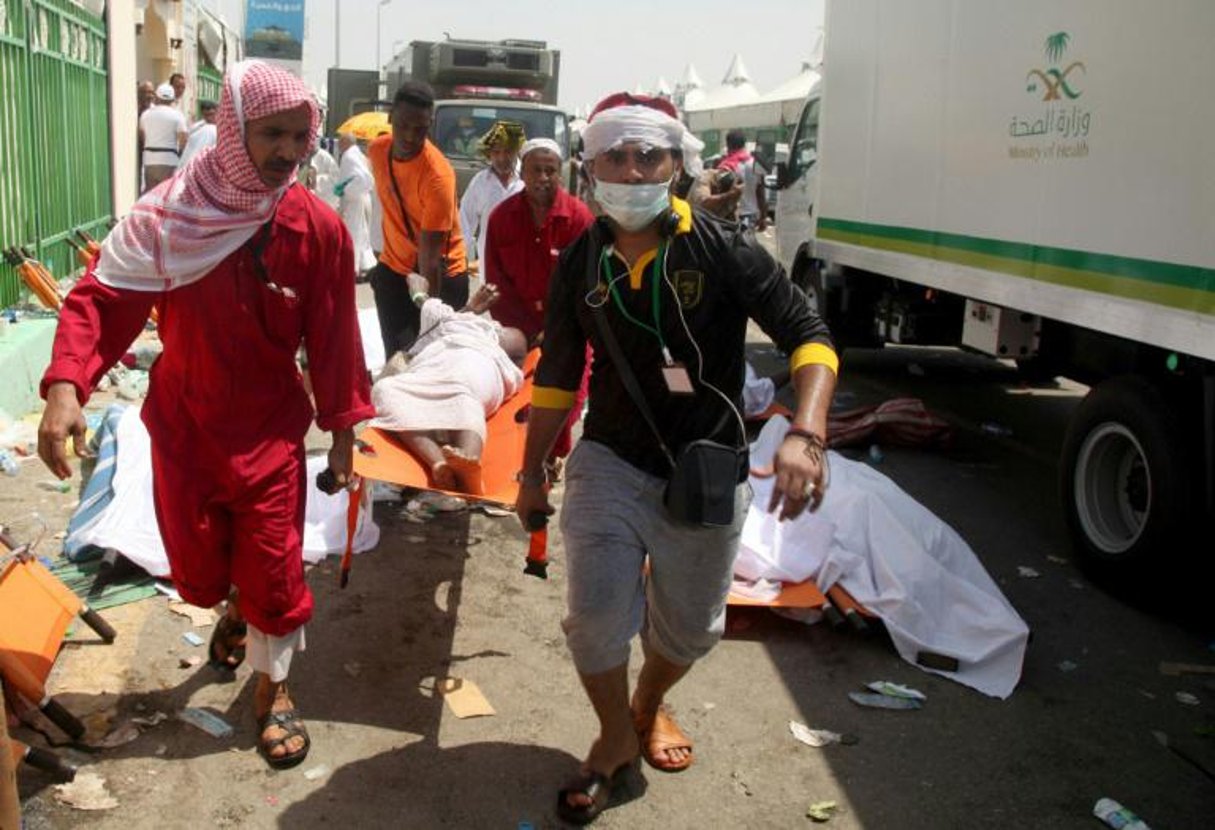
{"x": 464, "y": 698}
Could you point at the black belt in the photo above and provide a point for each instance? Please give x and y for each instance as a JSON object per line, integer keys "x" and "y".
{"x": 172, "y": 150}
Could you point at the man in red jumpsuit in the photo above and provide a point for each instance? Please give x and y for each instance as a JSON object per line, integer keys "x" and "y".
{"x": 524, "y": 236}
{"x": 243, "y": 266}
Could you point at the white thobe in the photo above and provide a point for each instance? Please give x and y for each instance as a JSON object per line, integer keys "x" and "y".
{"x": 355, "y": 207}
{"x": 484, "y": 192}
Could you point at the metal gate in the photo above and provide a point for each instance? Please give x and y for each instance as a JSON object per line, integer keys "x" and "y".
{"x": 54, "y": 132}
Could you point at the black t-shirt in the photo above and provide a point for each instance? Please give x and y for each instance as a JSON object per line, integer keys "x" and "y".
{"x": 722, "y": 277}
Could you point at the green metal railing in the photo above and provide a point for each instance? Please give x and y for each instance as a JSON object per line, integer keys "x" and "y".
{"x": 210, "y": 81}
{"x": 54, "y": 132}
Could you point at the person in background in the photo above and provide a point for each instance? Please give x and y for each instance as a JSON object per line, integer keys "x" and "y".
{"x": 676, "y": 288}
{"x": 491, "y": 184}
{"x": 749, "y": 174}
{"x": 162, "y": 133}
{"x": 416, "y": 186}
{"x": 353, "y": 188}
{"x": 526, "y": 234}
{"x": 465, "y": 141}
{"x": 257, "y": 267}
{"x": 203, "y": 133}
{"x": 178, "y": 82}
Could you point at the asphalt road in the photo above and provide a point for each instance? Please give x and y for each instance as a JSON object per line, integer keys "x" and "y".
{"x": 445, "y": 597}
{"x": 1080, "y": 725}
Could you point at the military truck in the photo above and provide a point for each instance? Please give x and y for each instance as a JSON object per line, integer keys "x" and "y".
{"x": 478, "y": 82}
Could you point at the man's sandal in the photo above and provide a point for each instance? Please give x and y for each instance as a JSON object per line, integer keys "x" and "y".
{"x": 290, "y": 722}
{"x": 663, "y": 734}
{"x": 230, "y": 635}
{"x": 596, "y": 786}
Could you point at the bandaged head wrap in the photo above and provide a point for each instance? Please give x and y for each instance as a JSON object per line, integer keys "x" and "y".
{"x": 541, "y": 144}
{"x": 506, "y": 134}
{"x": 640, "y": 119}
{"x": 184, "y": 227}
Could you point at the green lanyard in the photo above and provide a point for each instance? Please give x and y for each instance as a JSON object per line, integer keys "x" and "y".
{"x": 655, "y": 301}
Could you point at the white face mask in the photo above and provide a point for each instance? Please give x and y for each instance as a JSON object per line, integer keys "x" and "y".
{"x": 633, "y": 206}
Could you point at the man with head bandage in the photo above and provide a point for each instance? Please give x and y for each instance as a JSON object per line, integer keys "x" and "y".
{"x": 244, "y": 266}
{"x": 673, "y": 289}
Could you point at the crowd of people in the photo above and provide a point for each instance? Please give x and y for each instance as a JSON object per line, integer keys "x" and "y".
{"x": 637, "y": 300}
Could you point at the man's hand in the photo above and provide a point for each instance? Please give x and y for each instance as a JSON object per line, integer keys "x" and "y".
{"x": 61, "y": 418}
{"x": 341, "y": 457}
{"x": 485, "y": 297}
{"x": 801, "y": 476}
{"x": 417, "y": 283}
{"x": 532, "y": 498}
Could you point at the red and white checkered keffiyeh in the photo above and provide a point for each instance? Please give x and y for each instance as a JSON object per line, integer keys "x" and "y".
{"x": 180, "y": 230}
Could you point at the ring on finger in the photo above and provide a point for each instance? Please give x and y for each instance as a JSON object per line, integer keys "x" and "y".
{"x": 808, "y": 490}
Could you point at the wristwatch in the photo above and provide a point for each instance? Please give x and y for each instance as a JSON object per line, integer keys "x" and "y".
{"x": 531, "y": 479}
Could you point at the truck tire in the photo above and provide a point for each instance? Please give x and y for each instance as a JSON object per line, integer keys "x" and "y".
{"x": 1123, "y": 479}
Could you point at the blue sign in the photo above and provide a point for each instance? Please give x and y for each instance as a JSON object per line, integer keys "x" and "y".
{"x": 274, "y": 29}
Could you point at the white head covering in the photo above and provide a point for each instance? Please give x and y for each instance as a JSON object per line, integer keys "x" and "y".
{"x": 165, "y": 92}
{"x": 540, "y": 144}
{"x": 639, "y": 124}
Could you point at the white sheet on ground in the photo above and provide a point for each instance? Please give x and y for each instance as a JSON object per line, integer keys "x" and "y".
{"x": 128, "y": 523}
{"x": 897, "y": 559}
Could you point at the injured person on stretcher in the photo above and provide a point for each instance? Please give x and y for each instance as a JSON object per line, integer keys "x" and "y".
{"x": 437, "y": 396}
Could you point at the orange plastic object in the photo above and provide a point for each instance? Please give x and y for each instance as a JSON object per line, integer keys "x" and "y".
{"x": 793, "y": 595}
{"x": 390, "y": 461}
{"x": 35, "y": 611}
{"x": 846, "y": 602}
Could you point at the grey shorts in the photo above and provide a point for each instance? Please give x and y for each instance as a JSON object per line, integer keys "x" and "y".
{"x": 611, "y": 518}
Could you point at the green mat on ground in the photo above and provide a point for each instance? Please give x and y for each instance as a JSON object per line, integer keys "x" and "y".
{"x": 128, "y": 585}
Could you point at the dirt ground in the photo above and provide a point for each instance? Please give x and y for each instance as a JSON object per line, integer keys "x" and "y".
{"x": 446, "y": 598}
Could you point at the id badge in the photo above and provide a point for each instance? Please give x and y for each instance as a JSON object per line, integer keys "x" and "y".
{"x": 679, "y": 382}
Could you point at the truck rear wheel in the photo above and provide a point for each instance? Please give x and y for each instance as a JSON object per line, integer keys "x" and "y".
{"x": 1123, "y": 479}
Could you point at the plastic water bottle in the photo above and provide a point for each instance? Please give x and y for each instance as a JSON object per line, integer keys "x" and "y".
{"x": 9, "y": 464}
{"x": 1117, "y": 816}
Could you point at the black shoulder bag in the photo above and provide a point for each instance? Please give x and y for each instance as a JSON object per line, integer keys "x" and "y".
{"x": 706, "y": 473}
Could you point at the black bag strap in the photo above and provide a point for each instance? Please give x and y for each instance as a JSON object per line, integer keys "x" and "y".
{"x": 396, "y": 191}
{"x": 613, "y": 346}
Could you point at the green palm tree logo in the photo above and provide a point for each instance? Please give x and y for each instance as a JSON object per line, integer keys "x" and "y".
{"x": 1054, "y": 80}
{"x": 1056, "y": 45}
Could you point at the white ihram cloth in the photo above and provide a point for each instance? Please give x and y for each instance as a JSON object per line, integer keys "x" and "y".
{"x": 897, "y": 559}
{"x": 482, "y": 195}
{"x": 355, "y": 174}
{"x": 457, "y": 376}
{"x": 128, "y": 522}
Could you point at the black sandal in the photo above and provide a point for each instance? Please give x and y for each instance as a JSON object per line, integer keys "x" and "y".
{"x": 290, "y": 722}
{"x": 596, "y": 786}
{"x": 227, "y": 631}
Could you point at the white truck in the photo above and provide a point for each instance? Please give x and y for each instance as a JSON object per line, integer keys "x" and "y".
{"x": 1034, "y": 181}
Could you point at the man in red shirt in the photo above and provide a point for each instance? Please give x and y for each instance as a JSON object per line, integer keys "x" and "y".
{"x": 525, "y": 235}
{"x": 243, "y": 266}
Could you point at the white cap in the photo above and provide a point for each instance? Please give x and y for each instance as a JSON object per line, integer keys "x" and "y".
{"x": 165, "y": 92}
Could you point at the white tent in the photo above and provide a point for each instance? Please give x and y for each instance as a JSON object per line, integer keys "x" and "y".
{"x": 722, "y": 110}
{"x": 735, "y": 89}
{"x": 690, "y": 89}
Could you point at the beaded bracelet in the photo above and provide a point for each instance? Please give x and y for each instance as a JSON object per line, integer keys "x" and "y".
{"x": 816, "y": 449}
{"x": 418, "y": 295}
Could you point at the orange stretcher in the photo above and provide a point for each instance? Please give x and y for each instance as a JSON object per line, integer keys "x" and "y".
{"x": 384, "y": 458}
{"x": 838, "y": 606}
{"x": 381, "y": 457}
{"x": 35, "y": 611}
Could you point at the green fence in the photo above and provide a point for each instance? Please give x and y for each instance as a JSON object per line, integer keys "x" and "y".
{"x": 210, "y": 81}
{"x": 54, "y": 132}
